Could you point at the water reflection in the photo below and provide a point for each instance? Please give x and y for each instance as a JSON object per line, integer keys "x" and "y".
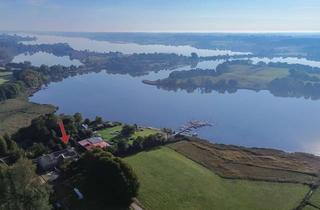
{"x": 248, "y": 118}
{"x": 78, "y": 43}
{"x": 288, "y": 60}
{"x": 39, "y": 58}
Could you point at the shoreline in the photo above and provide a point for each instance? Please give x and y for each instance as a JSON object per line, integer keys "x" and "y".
{"x": 211, "y": 141}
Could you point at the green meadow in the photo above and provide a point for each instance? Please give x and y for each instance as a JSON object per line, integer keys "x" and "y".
{"x": 171, "y": 181}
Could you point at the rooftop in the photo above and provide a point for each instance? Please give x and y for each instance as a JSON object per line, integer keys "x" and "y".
{"x": 93, "y": 142}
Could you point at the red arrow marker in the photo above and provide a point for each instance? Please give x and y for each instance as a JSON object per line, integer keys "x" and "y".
{"x": 65, "y": 138}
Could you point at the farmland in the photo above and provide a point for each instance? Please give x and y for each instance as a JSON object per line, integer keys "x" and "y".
{"x": 169, "y": 180}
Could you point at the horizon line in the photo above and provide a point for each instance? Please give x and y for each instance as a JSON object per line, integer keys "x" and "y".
{"x": 221, "y": 32}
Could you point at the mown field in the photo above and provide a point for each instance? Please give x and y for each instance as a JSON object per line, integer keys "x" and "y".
{"x": 169, "y": 180}
{"x": 18, "y": 113}
{"x": 112, "y": 133}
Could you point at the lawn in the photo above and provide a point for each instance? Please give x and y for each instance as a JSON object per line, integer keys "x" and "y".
{"x": 171, "y": 181}
{"x": 111, "y": 134}
{"x": 145, "y": 132}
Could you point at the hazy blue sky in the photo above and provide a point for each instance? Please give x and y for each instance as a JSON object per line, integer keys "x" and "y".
{"x": 160, "y": 15}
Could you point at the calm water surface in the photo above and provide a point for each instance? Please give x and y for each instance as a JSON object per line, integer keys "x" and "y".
{"x": 79, "y": 43}
{"x": 248, "y": 118}
{"x": 39, "y": 58}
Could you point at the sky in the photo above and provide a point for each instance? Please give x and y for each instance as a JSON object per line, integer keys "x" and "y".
{"x": 160, "y": 15}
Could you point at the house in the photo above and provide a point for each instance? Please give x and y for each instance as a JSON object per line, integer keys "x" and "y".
{"x": 50, "y": 161}
{"x": 93, "y": 142}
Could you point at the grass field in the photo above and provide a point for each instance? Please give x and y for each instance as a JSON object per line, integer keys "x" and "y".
{"x": 18, "y": 113}
{"x": 145, "y": 132}
{"x": 315, "y": 198}
{"x": 309, "y": 208}
{"x": 171, "y": 181}
{"x": 4, "y": 77}
{"x": 248, "y": 77}
{"x": 111, "y": 134}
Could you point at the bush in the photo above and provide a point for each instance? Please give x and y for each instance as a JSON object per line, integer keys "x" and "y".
{"x": 127, "y": 130}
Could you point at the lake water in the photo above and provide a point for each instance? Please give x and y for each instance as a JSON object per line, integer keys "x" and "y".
{"x": 289, "y": 60}
{"x": 39, "y": 58}
{"x": 248, "y": 118}
{"x": 79, "y": 43}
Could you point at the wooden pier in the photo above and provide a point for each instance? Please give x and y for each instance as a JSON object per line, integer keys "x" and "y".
{"x": 193, "y": 125}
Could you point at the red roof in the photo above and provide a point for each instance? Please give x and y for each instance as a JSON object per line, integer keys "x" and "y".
{"x": 93, "y": 142}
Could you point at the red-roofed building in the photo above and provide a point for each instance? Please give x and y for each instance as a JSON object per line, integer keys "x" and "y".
{"x": 93, "y": 142}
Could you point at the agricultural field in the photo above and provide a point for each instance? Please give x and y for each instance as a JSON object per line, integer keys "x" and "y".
{"x": 256, "y": 164}
{"x": 169, "y": 180}
{"x": 18, "y": 113}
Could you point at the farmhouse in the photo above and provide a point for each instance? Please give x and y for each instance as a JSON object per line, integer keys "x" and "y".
{"x": 93, "y": 142}
{"x": 50, "y": 161}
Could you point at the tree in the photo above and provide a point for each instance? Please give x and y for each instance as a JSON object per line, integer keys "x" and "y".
{"x": 77, "y": 118}
{"x": 12, "y": 146}
{"x": 98, "y": 120}
{"x": 127, "y": 130}
{"x": 3, "y": 147}
{"x": 137, "y": 144}
{"x": 86, "y": 121}
{"x": 20, "y": 188}
{"x": 105, "y": 179}
{"x": 167, "y": 131}
{"x": 45, "y": 130}
{"x": 122, "y": 147}
{"x": 37, "y": 149}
